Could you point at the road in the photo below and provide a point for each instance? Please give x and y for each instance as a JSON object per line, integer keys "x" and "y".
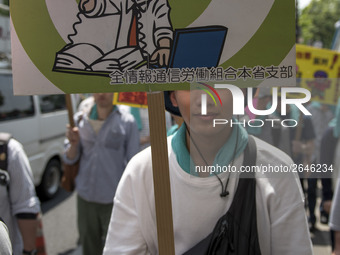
{"x": 61, "y": 236}
{"x": 60, "y": 224}
{"x": 321, "y": 239}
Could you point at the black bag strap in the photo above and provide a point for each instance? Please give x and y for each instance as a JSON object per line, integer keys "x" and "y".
{"x": 250, "y": 152}
{"x": 4, "y": 139}
{"x": 249, "y": 159}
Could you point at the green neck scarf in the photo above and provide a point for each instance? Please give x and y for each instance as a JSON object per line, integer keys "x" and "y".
{"x": 94, "y": 113}
{"x": 236, "y": 144}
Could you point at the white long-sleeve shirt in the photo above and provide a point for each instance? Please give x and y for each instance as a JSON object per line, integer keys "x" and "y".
{"x": 21, "y": 196}
{"x": 197, "y": 205}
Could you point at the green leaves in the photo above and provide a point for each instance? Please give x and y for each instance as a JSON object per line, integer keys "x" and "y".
{"x": 4, "y": 9}
{"x": 317, "y": 21}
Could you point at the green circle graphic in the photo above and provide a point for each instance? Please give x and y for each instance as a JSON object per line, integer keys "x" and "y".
{"x": 40, "y": 39}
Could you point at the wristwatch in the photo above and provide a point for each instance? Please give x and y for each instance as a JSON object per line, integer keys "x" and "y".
{"x": 32, "y": 252}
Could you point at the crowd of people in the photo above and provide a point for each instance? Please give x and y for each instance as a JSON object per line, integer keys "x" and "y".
{"x": 263, "y": 214}
{"x": 315, "y": 149}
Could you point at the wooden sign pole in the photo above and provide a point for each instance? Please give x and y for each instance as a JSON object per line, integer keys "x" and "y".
{"x": 69, "y": 109}
{"x": 161, "y": 178}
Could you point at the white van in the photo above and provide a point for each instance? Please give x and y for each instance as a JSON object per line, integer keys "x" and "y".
{"x": 39, "y": 123}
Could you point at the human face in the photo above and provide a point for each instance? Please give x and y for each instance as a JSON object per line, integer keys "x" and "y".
{"x": 103, "y": 100}
{"x": 189, "y": 104}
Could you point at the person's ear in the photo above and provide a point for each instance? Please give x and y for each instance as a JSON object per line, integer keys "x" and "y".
{"x": 173, "y": 99}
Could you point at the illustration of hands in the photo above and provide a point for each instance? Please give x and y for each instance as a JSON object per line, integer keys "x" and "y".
{"x": 162, "y": 54}
{"x": 161, "y": 57}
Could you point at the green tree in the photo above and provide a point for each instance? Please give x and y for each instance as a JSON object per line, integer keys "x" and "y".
{"x": 4, "y": 8}
{"x": 317, "y": 21}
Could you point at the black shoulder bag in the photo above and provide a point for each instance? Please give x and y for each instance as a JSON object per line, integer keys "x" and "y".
{"x": 236, "y": 231}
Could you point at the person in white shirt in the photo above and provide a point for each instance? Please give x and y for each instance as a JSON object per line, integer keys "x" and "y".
{"x": 19, "y": 204}
{"x": 197, "y": 200}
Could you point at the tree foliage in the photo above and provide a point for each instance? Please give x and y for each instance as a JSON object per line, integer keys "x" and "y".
{"x": 4, "y": 11}
{"x": 317, "y": 21}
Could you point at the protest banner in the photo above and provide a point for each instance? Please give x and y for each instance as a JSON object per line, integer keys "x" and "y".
{"x": 79, "y": 47}
{"x": 60, "y": 47}
{"x": 318, "y": 70}
{"x": 133, "y": 99}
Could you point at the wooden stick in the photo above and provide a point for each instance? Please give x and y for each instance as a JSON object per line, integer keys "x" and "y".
{"x": 69, "y": 107}
{"x": 161, "y": 178}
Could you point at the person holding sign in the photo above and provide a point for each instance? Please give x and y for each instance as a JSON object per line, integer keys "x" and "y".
{"x": 104, "y": 141}
{"x": 262, "y": 215}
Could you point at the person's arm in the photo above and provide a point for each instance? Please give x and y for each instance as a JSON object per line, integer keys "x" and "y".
{"x": 24, "y": 202}
{"x": 336, "y": 243}
{"x": 72, "y": 135}
{"x": 289, "y": 228}
{"x": 72, "y": 148}
{"x": 28, "y": 229}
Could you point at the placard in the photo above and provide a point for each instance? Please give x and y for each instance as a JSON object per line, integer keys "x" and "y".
{"x": 134, "y": 99}
{"x": 318, "y": 70}
{"x": 150, "y": 45}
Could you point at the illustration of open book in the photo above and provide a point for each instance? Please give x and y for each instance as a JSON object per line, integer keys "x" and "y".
{"x": 191, "y": 48}
{"x": 197, "y": 47}
{"x": 87, "y": 58}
